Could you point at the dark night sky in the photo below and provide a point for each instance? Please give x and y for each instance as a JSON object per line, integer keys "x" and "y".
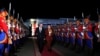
{"x": 55, "y": 9}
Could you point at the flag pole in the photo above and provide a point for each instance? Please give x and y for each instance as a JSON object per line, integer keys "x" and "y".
{"x": 13, "y": 12}
{"x": 74, "y": 18}
{"x": 9, "y": 10}
{"x": 98, "y": 21}
{"x": 68, "y": 27}
{"x": 17, "y": 16}
{"x": 83, "y": 24}
{"x": 21, "y": 19}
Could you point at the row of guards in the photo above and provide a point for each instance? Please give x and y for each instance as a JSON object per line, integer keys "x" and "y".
{"x": 80, "y": 35}
{"x": 12, "y": 32}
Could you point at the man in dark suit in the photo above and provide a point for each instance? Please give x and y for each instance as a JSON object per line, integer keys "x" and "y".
{"x": 40, "y": 34}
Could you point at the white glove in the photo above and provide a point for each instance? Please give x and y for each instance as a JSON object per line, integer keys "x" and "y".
{"x": 98, "y": 26}
{"x": 11, "y": 37}
{"x": 68, "y": 29}
{"x": 98, "y": 35}
{"x": 63, "y": 29}
{"x": 82, "y": 33}
{"x": 13, "y": 26}
{"x": 75, "y": 28}
{"x": 74, "y": 34}
{"x": 84, "y": 27}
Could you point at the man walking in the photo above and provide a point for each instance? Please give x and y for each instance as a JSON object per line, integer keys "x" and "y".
{"x": 40, "y": 34}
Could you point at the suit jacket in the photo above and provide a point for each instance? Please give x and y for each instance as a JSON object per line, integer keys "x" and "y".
{"x": 40, "y": 35}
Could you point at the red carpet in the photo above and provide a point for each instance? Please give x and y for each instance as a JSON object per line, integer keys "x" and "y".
{"x": 47, "y": 53}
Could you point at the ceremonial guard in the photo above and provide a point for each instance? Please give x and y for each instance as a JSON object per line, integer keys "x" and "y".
{"x": 72, "y": 35}
{"x": 17, "y": 31}
{"x": 88, "y": 36}
{"x": 96, "y": 30}
{"x": 62, "y": 33}
{"x": 14, "y": 37}
{"x": 96, "y": 39}
{"x": 4, "y": 34}
{"x": 67, "y": 34}
{"x": 79, "y": 35}
{"x": 58, "y": 34}
{"x": 10, "y": 36}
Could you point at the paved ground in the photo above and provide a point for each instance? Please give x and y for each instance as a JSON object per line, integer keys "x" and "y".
{"x": 29, "y": 47}
{"x": 66, "y": 51}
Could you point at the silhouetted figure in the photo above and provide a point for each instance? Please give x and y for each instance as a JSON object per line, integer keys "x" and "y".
{"x": 40, "y": 34}
{"x": 49, "y": 37}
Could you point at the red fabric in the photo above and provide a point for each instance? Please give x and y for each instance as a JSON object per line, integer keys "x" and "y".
{"x": 47, "y": 35}
{"x": 66, "y": 29}
{"x": 48, "y": 38}
{"x": 96, "y": 28}
{"x": 64, "y": 32}
{"x": 80, "y": 29}
{"x": 71, "y": 30}
{"x": 17, "y": 30}
{"x": 89, "y": 28}
{"x": 3, "y": 25}
{"x": 47, "y": 53}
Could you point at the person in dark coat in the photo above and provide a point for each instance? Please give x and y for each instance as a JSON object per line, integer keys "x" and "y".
{"x": 40, "y": 34}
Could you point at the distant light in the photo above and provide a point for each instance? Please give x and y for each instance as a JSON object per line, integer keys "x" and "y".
{"x": 32, "y": 20}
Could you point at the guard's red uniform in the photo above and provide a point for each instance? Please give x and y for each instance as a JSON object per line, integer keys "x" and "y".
{"x": 79, "y": 35}
{"x": 72, "y": 35}
{"x": 17, "y": 30}
{"x": 79, "y": 30}
{"x": 88, "y": 29}
{"x": 4, "y": 27}
{"x": 96, "y": 28}
{"x": 89, "y": 36}
{"x": 72, "y": 30}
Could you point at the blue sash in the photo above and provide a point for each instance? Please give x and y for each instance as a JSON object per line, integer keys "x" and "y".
{"x": 2, "y": 36}
{"x": 80, "y": 34}
{"x": 89, "y": 41}
{"x": 90, "y": 34}
{"x": 79, "y": 40}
